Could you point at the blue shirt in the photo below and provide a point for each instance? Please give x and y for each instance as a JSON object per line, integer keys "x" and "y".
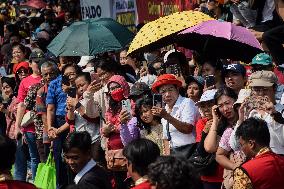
{"x": 56, "y": 96}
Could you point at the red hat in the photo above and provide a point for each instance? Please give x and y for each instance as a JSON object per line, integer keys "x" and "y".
{"x": 165, "y": 79}
{"x": 21, "y": 65}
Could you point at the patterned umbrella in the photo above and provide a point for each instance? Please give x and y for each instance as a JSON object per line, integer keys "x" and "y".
{"x": 161, "y": 32}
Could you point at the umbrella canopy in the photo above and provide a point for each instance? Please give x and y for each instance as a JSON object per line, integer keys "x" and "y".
{"x": 217, "y": 39}
{"x": 160, "y": 32}
{"x": 90, "y": 37}
{"x": 37, "y": 4}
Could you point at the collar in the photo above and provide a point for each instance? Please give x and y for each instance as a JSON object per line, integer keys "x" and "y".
{"x": 141, "y": 180}
{"x": 87, "y": 168}
{"x": 263, "y": 151}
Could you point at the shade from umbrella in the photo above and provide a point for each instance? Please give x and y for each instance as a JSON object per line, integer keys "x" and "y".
{"x": 160, "y": 32}
{"x": 218, "y": 39}
{"x": 90, "y": 37}
{"x": 37, "y": 4}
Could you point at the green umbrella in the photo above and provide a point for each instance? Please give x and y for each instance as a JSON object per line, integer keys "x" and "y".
{"x": 90, "y": 37}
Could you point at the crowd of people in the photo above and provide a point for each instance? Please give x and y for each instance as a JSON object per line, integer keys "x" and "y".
{"x": 158, "y": 119}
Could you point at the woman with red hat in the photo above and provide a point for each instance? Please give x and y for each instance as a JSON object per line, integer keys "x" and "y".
{"x": 178, "y": 117}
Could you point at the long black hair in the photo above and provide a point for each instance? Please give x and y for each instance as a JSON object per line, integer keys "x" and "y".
{"x": 146, "y": 101}
{"x": 224, "y": 91}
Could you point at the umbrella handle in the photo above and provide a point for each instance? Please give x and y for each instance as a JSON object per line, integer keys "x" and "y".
{"x": 205, "y": 45}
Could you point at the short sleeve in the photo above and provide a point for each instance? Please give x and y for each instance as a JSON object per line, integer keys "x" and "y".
{"x": 225, "y": 140}
{"x": 241, "y": 180}
{"x": 188, "y": 112}
{"x": 22, "y": 93}
{"x": 50, "y": 97}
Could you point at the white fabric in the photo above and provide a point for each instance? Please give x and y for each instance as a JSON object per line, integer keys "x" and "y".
{"x": 184, "y": 110}
{"x": 92, "y": 110}
{"x": 276, "y": 131}
{"x": 87, "y": 168}
{"x": 267, "y": 13}
{"x": 207, "y": 96}
{"x": 84, "y": 60}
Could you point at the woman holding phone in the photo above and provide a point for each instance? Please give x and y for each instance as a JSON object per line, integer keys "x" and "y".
{"x": 224, "y": 116}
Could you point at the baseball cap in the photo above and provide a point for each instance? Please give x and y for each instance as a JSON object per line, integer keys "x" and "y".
{"x": 36, "y": 55}
{"x": 262, "y": 79}
{"x": 197, "y": 79}
{"x": 262, "y": 59}
{"x": 237, "y": 68}
{"x": 207, "y": 96}
{"x": 243, "y": 94}
{"x": 138, "y": 89}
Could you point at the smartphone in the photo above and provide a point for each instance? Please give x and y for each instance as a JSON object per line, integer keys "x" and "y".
{"x": 157, "y": 100}
{"x": 210, "y": 80}
{"x": 218, "y": 112}
{"x": 65, "y": 80}
{"x": 72, "y": 92}
{"x": 126, "y": 105}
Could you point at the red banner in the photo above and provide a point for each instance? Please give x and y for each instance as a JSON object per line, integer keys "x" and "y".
{"x": 149, "y": 10}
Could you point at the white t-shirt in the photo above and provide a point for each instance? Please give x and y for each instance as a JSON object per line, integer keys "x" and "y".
{"x": 184, "y": 110}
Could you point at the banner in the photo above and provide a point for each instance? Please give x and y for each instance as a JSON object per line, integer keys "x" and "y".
{"x": 95, "y": 9}
{"x": 149, "y": 10}
{"x": 125, "y": 12}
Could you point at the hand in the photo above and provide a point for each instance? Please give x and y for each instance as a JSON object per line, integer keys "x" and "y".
{"x": 216, "y": 116}
{"x": 65, "y": 88}
{"x": 143, "y": 71}
{"x": 160, "y": 112}
{"x": 95, "y": 86}
{"x": 124, "y": 116}
{"x": 208, "y": 125}
{"x": 241, "y": 112}
{"x": 2, "y": 108}
{"x": 52, "y": 133}
{"x": 257, "y": 34}
{"x": 269, "y": 108}
{"x": 108, "y": 128}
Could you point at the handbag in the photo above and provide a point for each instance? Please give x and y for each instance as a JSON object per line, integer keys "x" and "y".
{"x": 27, "y": 119}
{"x": 205, "y": 165}
{"x": 116, "y": 161}
{"x": 46, "y": 174}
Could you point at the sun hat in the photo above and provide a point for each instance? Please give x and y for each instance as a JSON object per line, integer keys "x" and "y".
{"x": 165, "y": 79}
{"x": 207, "y": 96}
{"x": 262, "y": 79}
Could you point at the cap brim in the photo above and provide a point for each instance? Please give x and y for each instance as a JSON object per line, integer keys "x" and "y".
{"x": 260, "y": 83}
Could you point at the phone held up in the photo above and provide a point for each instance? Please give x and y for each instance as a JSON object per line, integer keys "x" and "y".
{"x": 158, "y": 101}
{"x": 210, "y": 80}
{"x": 126, "y": 105}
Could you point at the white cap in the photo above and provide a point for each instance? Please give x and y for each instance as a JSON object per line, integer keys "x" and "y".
{"x": 243, "y": 94}
{"x": 168, "y": 53}
{"x": 84, "y": 60}
{"x": 89, "y": 69}
{"x": 207, "y": 96}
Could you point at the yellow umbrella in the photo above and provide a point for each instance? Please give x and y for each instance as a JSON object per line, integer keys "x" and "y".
{"x": 160, "y": 32}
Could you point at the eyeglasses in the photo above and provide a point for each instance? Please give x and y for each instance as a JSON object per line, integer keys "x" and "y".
{"x": 260, "y": 89}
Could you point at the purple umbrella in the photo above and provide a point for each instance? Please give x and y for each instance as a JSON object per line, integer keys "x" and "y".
{"x": 217, "y": 39}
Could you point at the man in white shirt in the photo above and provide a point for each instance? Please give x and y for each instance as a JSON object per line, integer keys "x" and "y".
{"x": 77, "y": 154}
{"x": 178, "y": 117}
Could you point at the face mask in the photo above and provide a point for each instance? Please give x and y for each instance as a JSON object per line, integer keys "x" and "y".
{"x": 149, "y": 57}
{"x": 117, "y": 95}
